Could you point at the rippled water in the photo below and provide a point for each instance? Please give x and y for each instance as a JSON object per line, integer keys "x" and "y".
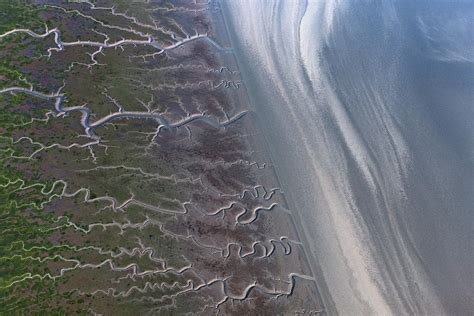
{"x": 368, "y": 110}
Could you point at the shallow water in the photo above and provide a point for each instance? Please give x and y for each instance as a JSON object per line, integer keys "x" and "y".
{"x": 368, "y": 111}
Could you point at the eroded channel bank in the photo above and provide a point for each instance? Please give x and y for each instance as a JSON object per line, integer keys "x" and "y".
{"x": 261, "y": 143}
{"x": 260, "y": 101}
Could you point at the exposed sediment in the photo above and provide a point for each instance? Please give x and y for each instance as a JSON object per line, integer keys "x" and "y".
{"x": 131, "y": 176}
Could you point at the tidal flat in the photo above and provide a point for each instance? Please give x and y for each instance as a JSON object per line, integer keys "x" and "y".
{"x": 134, "y": 175}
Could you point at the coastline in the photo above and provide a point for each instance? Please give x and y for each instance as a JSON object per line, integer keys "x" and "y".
{"x": 321, "y": 291}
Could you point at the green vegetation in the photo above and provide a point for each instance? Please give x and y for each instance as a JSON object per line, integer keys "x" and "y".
{"x": 19, "y": 14}
{"x": 23, "y": 225}
{"x": 45, "y": 236}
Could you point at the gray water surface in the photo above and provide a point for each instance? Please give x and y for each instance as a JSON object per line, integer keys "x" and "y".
{"x": 368, "y": 110}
